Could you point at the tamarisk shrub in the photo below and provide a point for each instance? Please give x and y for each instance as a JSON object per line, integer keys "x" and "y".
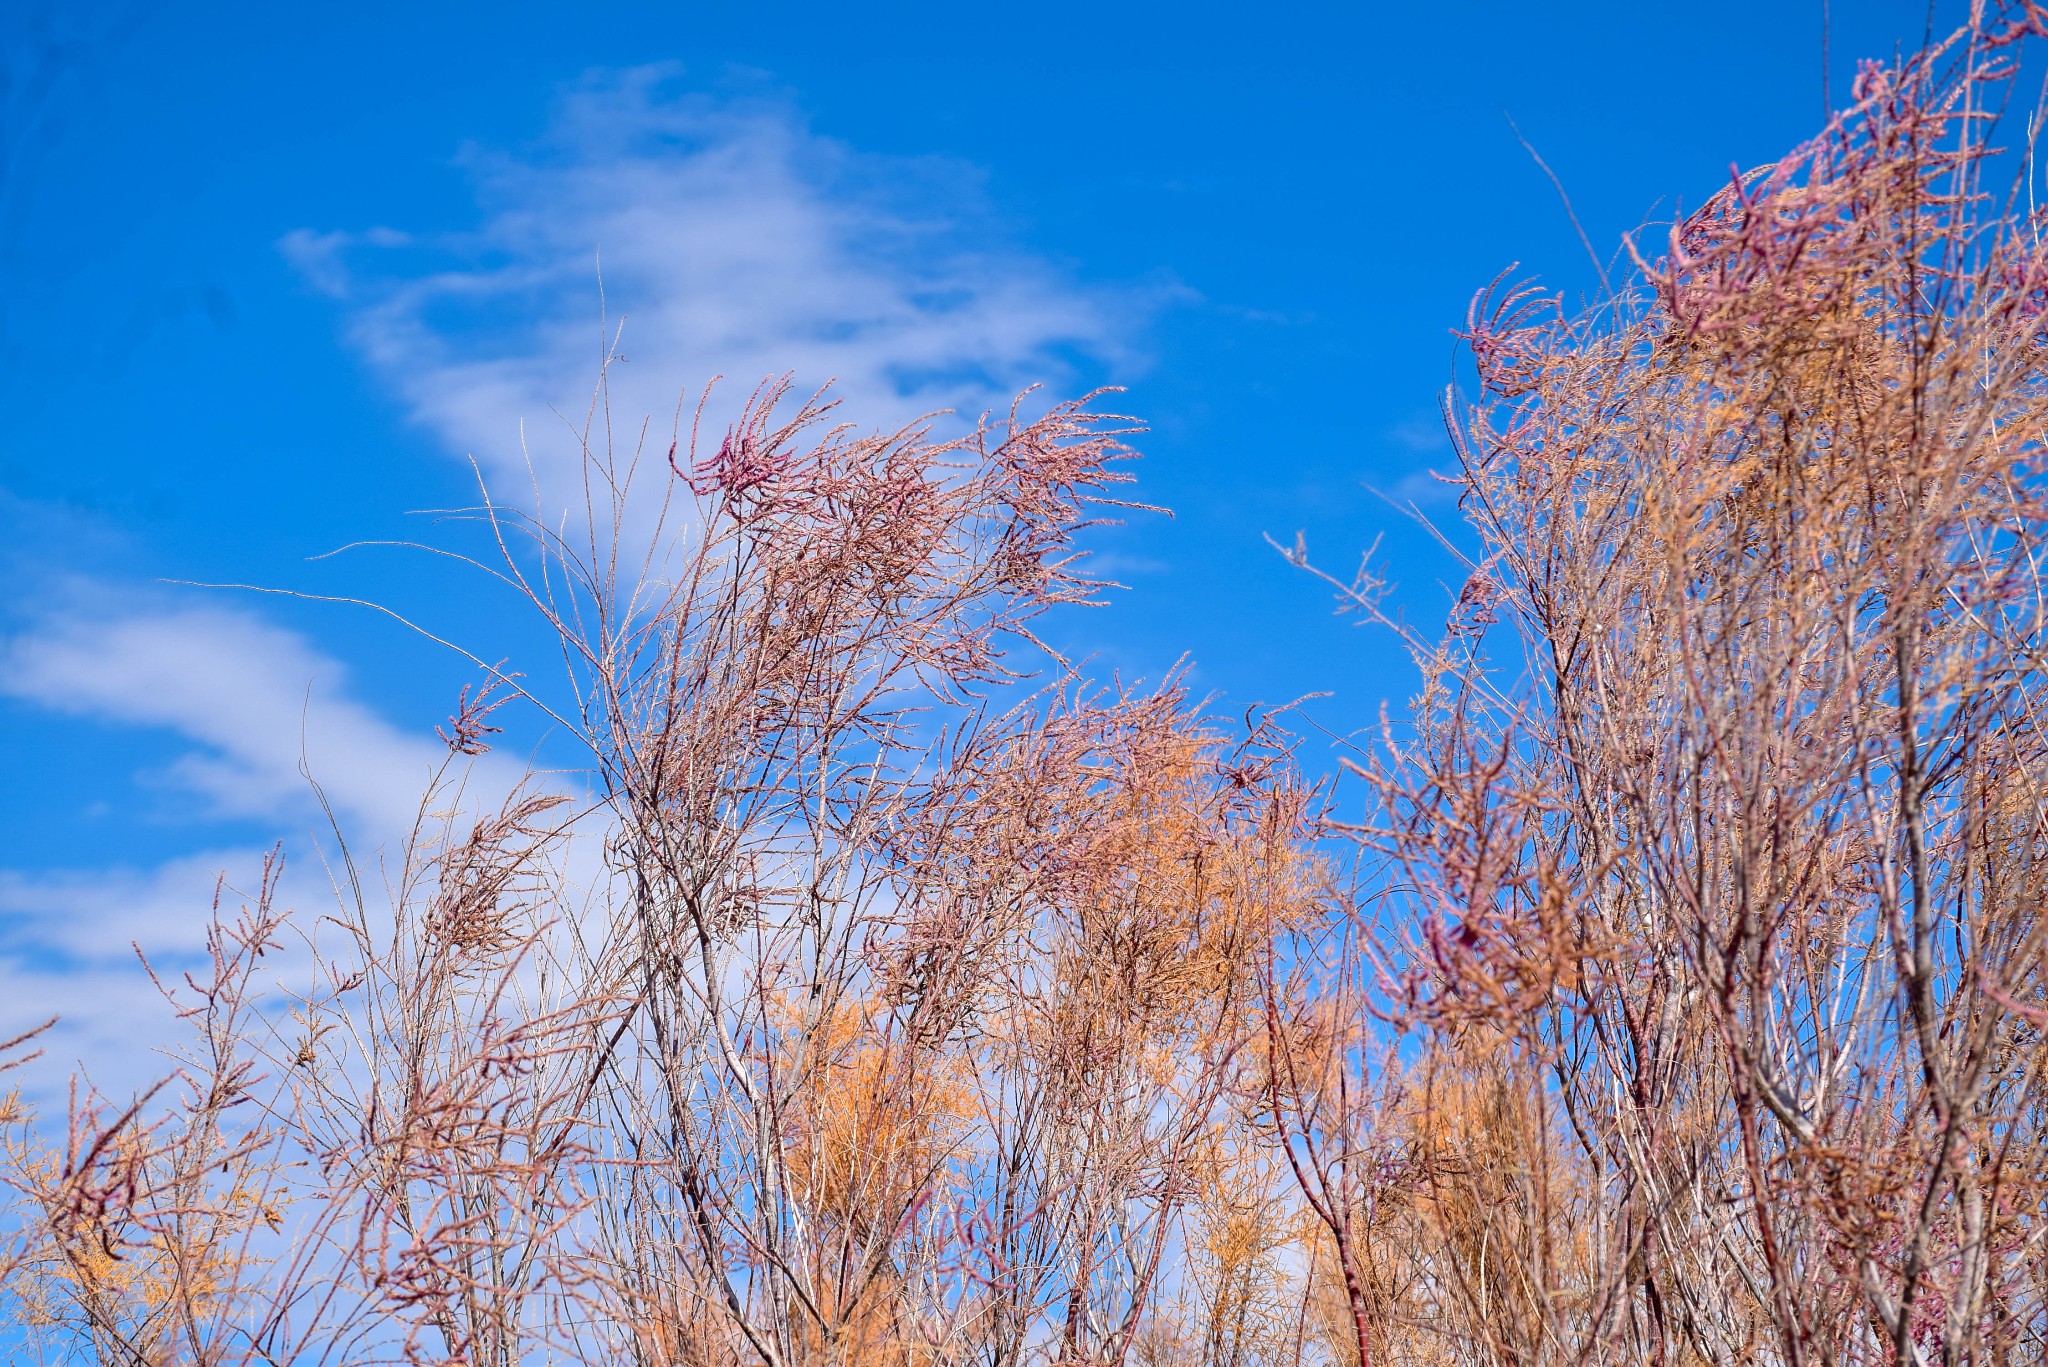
{"x": 864, "y": 1007}
{"x": 871, "y": 999}
{"x": 1717, "y": 838}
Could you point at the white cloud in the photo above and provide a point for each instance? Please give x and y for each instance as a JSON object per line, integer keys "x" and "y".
{"x": 258, "y": 700}
{"x": 734, "y": 241}
{"x": 95, "y": 916}
{"x": 67, "y": 949}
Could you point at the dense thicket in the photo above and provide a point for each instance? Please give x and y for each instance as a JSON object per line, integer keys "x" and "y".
{"x": 1672, "y": 991}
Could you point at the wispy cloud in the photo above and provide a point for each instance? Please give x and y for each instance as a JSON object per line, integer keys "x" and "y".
{"x": 68, "y": 947}
{"x": 263, "y": 708}
{"x": 265, "y": 714}
{"x": 1426, "y": 459}
{"x": 733, "y": 240}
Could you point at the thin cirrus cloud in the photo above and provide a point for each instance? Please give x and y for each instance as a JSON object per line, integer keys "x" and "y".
{"x": 69, "y": 941}
{"x": 732, "y": 240}
{"x": 263, "y": 711}
{"x": 262, "y": 706}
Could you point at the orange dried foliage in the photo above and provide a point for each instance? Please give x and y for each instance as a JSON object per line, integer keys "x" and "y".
{"x": 1677, "y": 998}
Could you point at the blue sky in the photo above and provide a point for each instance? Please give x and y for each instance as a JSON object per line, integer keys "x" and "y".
{"x": 268, "y": 274}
